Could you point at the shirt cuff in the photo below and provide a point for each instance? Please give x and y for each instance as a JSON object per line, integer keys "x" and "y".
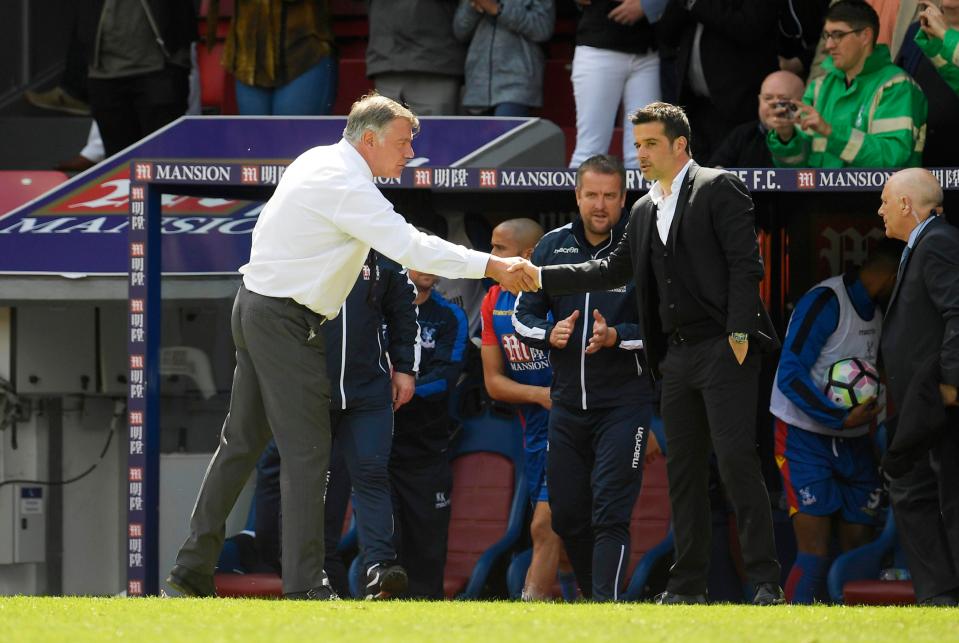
{"x": 539, "y": 276}
{"x": 476, "y": 264}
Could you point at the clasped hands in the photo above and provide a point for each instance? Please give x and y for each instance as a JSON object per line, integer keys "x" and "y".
{"x": 514, "y": 274}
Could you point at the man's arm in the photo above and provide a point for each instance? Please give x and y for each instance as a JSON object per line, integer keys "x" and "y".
{"x": 610, "y": 272}
{"x": 505, "y": 389}
{"x": 731, "y": 210}
{"x": 447, "y": 360}
{"x": 790, "y": 146}
{"x": 532, "y": 20}
{"x": 399, "y": 313}
{"x": 813, "y": 321}
{"x": 365, "y": 214}
{"x": 940, "y": 272}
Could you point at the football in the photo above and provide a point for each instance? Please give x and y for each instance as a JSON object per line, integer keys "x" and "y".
{"x": 851, "y": 381}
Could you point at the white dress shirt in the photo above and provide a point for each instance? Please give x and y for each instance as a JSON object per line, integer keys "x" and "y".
{"x": 666, "y": 205}
{"x": 313, "y": 235}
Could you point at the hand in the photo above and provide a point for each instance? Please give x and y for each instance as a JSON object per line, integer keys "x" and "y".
{"x": 486, "y": 6}
{"x": 811, "y": 121}
{"x": 545, "y": 400}
{"x": 864, "y": 413}
{"x": 739, "y": 350}
{"x": 653, "y": 450}
{"x": 559, "y": 336}
{"x": 531, "y": 271}
{"x": 403, "y": 385}
{"x": 629, "y": 12}
{"x": 932, "y": 21}
{"x": 603, "y": 335}
{"x": 782, "y": 120}
{"x": 523, "y": 277}
{"x": 949, "y": 395}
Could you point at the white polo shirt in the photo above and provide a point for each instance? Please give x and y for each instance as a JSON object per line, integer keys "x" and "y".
{"x": 313, "y": 235}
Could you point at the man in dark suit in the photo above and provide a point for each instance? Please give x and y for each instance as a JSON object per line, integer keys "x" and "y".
{"x": 691, "y": 250}
{"x": 922, "y": 321}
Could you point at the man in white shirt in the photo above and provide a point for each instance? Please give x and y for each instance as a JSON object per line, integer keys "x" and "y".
{"x": 309, "y": 243}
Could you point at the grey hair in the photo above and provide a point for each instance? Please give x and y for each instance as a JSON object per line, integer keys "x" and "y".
{"x": 375, "y": 113}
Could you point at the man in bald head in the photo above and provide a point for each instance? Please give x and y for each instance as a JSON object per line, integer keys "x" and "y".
{"x": 517, "y": 374}
{"x": 745, "y": 146}
{"x": 920, "y": 350}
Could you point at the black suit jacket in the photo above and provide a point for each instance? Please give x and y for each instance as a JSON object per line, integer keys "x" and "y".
{"x": 922, "y": 319}
{"x": 738, "y": 49}
{"x": 713, "y": 234}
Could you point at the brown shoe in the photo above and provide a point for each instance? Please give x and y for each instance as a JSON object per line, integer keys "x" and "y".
{"x": 78, "y": 163}
{"x": 58, "y": 100}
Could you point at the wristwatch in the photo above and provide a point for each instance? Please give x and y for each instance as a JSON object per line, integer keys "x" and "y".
{"x": 739, "y": 338}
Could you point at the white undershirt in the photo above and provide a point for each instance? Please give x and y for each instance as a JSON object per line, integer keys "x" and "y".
{"x": 666, "y": 205}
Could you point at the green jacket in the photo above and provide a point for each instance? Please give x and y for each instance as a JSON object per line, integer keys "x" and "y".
{"x": 878, "y": 121}
{"x": 944, "y": 55}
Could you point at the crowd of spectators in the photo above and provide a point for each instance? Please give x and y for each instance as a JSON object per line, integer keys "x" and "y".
{"x": 880, "y": 76}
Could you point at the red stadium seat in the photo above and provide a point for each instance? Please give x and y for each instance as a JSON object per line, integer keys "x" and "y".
{"x": 481, "y": 501}
{"x": 248, "y": 585}
{"x": 351, "y": 84}
{"x": 879, "y": 592}
{"x": 489, "y": 500}
{"x": 21, "y": 186}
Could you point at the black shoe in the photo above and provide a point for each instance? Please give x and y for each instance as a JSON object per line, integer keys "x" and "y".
{"x": 769, "y": 594}
{"x": 385, "y": 580}
{"x": 191, "y": 583}
{"x": 947, "y": 599}
{"x": 672, "y": 598}
{"x": 322, "y": 593}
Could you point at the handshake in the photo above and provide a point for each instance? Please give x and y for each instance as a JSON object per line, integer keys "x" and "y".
{"x": 513, "y": 274}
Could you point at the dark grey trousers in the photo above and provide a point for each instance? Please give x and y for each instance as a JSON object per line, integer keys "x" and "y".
{"x": 926, "y": 507}
{"x": 280, "y": 388}
{"x": 709, "y": 403}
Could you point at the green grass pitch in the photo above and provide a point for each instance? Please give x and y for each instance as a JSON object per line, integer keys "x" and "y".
{"x": 74, "y": 620}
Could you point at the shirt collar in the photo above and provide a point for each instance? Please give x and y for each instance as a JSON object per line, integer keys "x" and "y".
{"x": 656, "y": 192}
{"x": 353, "y": 157}
{"x": 917, "y": 231}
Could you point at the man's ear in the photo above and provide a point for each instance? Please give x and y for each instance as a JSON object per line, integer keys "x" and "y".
{"x": 527, "y": 254}
{"x": 368, "y": 137}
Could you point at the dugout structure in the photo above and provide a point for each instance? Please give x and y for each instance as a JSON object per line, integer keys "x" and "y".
{"x": 495, "y": 187}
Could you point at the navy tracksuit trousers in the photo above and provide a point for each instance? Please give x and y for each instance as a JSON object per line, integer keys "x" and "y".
{"x": 362, "y": 439}
{"x": 594, "y": 469}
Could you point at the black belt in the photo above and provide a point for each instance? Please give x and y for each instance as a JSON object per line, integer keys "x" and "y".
{"x": 679, "y": 337}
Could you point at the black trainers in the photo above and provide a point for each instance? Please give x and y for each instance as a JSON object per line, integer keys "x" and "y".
{"x": 385, "y": 580}
{"x": 191, "y": 583}
{"x": 672, "y": 598}
{"x": 322, "y": 593}
{"x": 769, "y": 594}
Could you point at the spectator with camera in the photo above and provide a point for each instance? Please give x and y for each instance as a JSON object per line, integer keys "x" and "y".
{"x": 824, "y": 451}
{"x": 931, "y": 56}
{"x": 865, "y": 112}
{"x": 746, "y": 144}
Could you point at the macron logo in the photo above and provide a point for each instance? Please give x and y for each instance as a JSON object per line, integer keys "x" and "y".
{"x": 565, "y": 251}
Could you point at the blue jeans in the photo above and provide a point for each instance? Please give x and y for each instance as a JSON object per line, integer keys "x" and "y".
{"x": 511, "y": 109}
{"x": 312, "y": 93}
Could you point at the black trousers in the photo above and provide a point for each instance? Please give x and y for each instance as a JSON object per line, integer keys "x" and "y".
{"x": 594, "y": 470}
{"x": 709, "y": 402}
{"x": 421, "y": 511}
{"x": 127, "y": 109}
{"x": 280, "y": 388}
{"x": 925, "y": 503}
